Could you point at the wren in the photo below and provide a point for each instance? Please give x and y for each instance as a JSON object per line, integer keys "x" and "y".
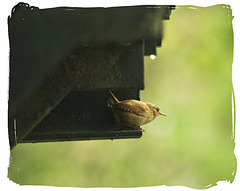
{"x": 133, "y": 113}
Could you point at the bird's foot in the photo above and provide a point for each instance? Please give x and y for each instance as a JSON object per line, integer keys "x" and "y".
{"x": 138, "y": 128}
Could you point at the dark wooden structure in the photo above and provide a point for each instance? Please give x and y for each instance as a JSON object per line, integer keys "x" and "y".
{"x": 62, "y": 62}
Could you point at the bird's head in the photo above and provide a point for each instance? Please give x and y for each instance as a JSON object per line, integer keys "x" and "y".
{"x": 156, "y": 111}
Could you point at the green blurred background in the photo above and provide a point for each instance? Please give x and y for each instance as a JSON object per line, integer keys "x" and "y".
{"x": 190, "y": 80}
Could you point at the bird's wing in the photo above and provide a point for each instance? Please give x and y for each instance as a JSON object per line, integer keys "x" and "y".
{"x": 132, "y": 106}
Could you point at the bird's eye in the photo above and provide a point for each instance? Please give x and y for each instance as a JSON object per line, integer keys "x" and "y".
{"x": 157, "y": 109}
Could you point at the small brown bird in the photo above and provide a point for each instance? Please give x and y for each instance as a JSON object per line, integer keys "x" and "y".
{"x": 133, "y": 113}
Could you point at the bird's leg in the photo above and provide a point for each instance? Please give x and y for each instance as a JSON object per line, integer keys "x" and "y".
{"x": 138, "y": 128}
{"x": 133, "y": 127}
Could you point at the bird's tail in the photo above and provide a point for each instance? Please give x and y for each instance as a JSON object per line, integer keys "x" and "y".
{"x": 113, "y": 99}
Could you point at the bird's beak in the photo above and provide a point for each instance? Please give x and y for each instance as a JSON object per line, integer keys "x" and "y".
{"x": 160, "y": 113}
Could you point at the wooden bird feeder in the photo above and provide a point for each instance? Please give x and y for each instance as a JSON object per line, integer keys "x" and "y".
{"x": 62, "y": 62}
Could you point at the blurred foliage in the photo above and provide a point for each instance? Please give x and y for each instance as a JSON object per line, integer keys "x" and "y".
{"x": 190, "y": 80}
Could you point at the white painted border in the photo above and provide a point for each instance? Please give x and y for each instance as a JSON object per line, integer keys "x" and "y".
{"x": 4, "y": 57}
